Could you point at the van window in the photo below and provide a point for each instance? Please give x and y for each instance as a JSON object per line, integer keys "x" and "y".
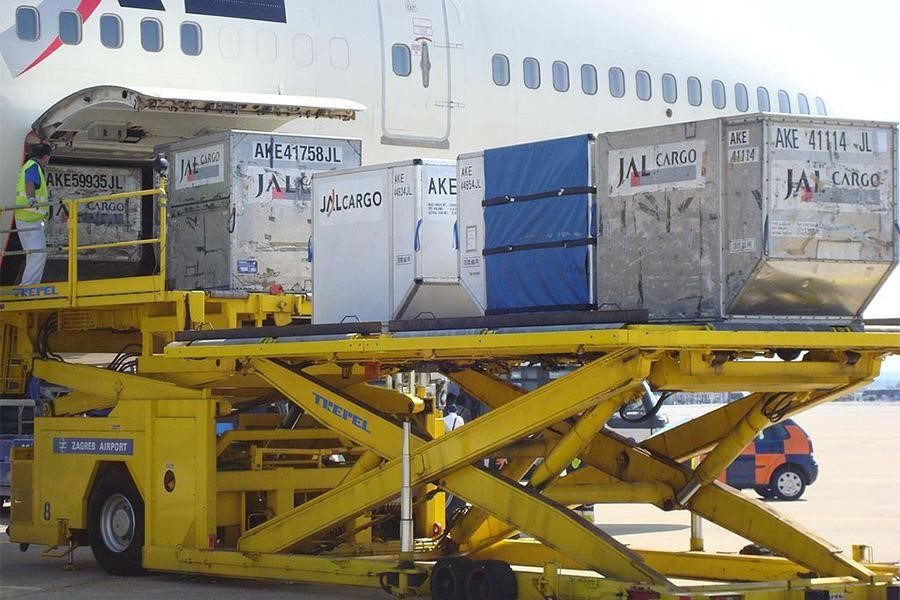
{"x": 669, "y": 88}
{"x": 401, "y": 60}
{"x": 695, "y": 91}
{"x": 111, "y": 31}
{"x": 741, "y": 97}
{"x": 762, "y": 99}
{"x": 191, "y": 38}
{"x": 151, "y": 35}
{"x": 820, "y": 107}
{"x": 616, "y": 82}
{"x": 531, "y": 73}
{"x": 500, "y": 69}
{"x": 718, "y": 94}
{"x": 643, "y": 85}
{"x": 69, "y": 27}
{"x": 28, "y": 23}
{"x": 560, "y": 76}
{"x": 589, "y": 79}
{"x": 802, "y": 104}
{"x": 784, "y": 102}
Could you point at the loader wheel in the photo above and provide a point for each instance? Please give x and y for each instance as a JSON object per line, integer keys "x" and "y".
{"x": 448, "y": 578}
{"x": 116, "y": 523}
{"x": 492, "y": 580}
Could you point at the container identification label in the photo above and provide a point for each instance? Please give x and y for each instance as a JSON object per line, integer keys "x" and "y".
{"x": 200, "y": 166}
{"x": 104, "y": 446}
{"x": 657, "y": 168}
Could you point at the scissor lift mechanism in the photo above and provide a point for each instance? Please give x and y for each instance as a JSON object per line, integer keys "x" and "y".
{"x": 316, "y": 522}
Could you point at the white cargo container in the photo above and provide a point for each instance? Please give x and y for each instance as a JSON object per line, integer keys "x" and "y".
{"x": 240, "y": 208}
{"x": 755, "y": 217}
{"x": 384, "y": 243}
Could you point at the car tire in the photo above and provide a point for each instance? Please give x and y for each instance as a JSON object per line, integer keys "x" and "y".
{"x": 788, "y": 483}
{"x": 764, "y": 491}
{"x": 116, "y": 523}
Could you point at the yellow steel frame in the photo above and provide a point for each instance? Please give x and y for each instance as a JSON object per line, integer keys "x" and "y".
{"x": 170, "y": 406}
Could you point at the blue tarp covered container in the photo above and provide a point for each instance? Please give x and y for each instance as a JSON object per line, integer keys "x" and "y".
{"x": 538, "y": 226}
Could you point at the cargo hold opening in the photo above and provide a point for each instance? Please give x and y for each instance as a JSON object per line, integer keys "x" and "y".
{"x": 104, "y": 139}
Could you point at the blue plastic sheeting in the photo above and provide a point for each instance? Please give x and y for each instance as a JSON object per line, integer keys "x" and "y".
{"x": 542, "y": 279}
{"x": 538, "y": 278}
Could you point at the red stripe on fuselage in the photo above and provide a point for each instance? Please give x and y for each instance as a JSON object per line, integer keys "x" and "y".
{"x": 85, "y": 10}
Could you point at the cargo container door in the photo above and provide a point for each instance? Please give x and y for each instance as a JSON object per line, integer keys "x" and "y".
{"x": 415, "y": 73}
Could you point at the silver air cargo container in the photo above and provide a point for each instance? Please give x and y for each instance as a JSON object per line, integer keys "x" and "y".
{"x": 384, "y": 243}
{"x": 240, "y": 208}
{"x": 526, "y": 226}
{"x": 756, "y": 217}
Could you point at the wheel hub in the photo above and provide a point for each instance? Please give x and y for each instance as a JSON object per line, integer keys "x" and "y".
{"x": 117, "y": 523}
{"x": 789, "y": 484}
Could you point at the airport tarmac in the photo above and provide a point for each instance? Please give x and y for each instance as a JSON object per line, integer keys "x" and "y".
{"x": 855, "y": 500}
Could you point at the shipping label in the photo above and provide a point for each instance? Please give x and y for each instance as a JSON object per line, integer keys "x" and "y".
{"x": 104, "y": 446}
{"x": 199, "y": 166}
{"x": 677, "y": 166}
{"x": 440, "y": 193}
{"x": 98, "y": 222}
{"x": 741, "y": 246}
{"x": 351, "y": 200}
{"x": 737, "y": 156}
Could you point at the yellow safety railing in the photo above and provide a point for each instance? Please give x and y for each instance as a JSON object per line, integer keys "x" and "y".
{"x": 156, "y": 281}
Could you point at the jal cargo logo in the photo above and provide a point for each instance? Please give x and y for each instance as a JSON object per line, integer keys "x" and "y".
{"x": 335, "y": 202}
{"x": 281, "y": 187}
{"x": 802, "y": 184}
{"x": 806, "y": 184}
{"x": 45, "y": 291}
{"x": 341, "y": 411}
{"x": 199, "y": 167}
{"x": 105, "y": 446}
{"x": 656, "y": 168}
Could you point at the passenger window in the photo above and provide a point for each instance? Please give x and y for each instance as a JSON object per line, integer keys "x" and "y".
{"x": 802, "y": 104}
{"x": 28, "y": 23}
{"x": 718, "y": 94}
{"x": 820, "y": 107}
{"x": 616, "y": 82}
{"x": 303, "y": 50}
{"x": 784, "y": 102}
{"x": 340, "y": 52}
{"x": 695, "y": 91}
{"x": 741, "y": 97}
{"x": 266, "y": 45}
{"x": 560, "y": 76}
{"x": 191, "y": 39}
{"x": 589, "y": 79}
{"x": 643, "y": 85}
{"x": 69, "y": 27}
{"x": 762, "y": 99}
{"x": 111, "y": 31}
{"x": 500, "y": 69}
{"x": 531, "y": 73}
{"x": 669, "y": 88}
{"x": 151, "y": 35}
{"x": 401, "y": 60}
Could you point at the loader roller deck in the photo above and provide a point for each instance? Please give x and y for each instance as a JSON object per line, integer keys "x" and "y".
{"x": 266, "y": 499}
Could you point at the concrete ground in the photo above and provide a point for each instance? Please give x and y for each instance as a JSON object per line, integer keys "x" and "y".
{"x": 855, "y": 500}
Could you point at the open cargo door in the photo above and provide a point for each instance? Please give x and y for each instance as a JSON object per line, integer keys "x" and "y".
{"x": 116, "y": 122}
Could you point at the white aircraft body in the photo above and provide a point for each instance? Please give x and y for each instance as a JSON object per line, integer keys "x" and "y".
{"x": 107, "y": 80}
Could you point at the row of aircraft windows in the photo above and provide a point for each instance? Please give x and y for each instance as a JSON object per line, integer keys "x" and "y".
{"x": 28, "y": 28}
{"x": 643, "y": 85}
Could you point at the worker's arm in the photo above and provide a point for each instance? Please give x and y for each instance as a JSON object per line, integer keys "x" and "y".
{"x": 29, "y": 193}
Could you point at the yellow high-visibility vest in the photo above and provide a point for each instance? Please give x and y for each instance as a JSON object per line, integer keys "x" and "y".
{"x": 27, "y": 213}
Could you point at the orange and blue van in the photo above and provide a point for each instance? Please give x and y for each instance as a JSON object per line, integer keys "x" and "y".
{"x": 777, "y": 464}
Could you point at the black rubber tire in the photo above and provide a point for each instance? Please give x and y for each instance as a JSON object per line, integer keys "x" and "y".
{"x": 764, "y": 491}
{"x": 492, "y": 580}
{"x": 449, "y": 576}
{"x": 127, "y": 560}
{"x": 794, "y": 476}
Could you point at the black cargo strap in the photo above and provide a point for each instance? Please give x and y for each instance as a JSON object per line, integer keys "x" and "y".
{"x": 574, "y": 191}
{"x": 588, "y": 241}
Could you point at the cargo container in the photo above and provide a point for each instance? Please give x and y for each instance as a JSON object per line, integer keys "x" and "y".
{"x": 756, "y": 217}
{"x": 385, "y": 243}
{"x": 526, "y": 226}
{"x": 240, "y": 208}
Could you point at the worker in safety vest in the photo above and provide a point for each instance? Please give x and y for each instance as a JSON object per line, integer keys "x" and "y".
{"x": 32, "y": 211}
